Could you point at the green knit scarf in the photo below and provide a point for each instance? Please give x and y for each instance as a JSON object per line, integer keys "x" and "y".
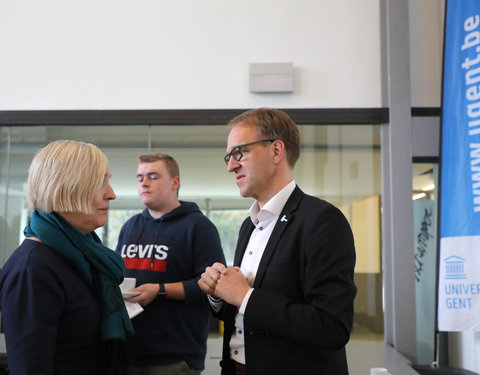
{"x": 103, "y": 269}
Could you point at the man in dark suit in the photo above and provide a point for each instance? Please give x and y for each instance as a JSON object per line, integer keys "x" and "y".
{"x": 287, "y": 303}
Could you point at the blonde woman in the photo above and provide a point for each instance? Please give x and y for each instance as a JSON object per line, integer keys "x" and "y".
{"x": 62, "y": 309}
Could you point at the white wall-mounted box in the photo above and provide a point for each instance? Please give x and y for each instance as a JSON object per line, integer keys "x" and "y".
{"x": 271, "y": 77}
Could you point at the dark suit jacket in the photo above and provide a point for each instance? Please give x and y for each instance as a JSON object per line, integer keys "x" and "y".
{"x": 299, "y": 316}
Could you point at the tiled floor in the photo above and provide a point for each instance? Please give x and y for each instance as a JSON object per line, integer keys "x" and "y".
{"x": 363, "y": 353}
{"x": 214, "y": 353}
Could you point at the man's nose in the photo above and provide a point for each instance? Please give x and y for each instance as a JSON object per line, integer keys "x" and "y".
{"x": 232, "y": 164}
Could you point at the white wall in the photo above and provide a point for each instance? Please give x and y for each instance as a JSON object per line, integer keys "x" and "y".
{"x": 157, "y": 54}
{"x": 426, "y": 48}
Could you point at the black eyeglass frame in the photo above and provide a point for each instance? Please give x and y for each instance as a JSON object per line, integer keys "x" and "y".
{"x": 238, "y": 149}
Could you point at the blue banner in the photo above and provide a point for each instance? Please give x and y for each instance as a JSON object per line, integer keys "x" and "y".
{"x": 459, "y": 278}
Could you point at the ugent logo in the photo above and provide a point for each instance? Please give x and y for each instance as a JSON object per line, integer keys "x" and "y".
{"x": 459, "y": 294}
{"x": 454, "y": 268}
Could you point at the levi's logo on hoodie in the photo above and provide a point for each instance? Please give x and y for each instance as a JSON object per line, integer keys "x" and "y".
{"x": 145, "y": 257}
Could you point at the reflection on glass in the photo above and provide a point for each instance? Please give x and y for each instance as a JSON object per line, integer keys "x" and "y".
{"x": 340, "y": 164}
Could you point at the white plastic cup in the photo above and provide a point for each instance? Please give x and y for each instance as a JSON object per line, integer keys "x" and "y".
{"x": 379, "y": 371}
{"x": 128, "y": 284}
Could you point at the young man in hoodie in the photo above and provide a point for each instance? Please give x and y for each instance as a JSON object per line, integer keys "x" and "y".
{"x": 166, "y": 248}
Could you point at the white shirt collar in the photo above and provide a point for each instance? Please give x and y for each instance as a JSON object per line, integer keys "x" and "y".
{"x": 274, "y": 205}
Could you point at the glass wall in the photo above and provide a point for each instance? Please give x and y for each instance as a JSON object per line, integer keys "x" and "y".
{"x": 425, "y": 178}
{"x": 338, "y": 163}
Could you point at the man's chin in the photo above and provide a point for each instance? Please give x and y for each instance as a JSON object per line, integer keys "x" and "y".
{"x": 244, "y": 193}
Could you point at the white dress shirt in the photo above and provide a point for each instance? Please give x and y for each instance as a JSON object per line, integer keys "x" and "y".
{"x": 264, "y": 220}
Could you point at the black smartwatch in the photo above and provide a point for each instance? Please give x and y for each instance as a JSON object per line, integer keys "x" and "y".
{"x": 161, "y": 292}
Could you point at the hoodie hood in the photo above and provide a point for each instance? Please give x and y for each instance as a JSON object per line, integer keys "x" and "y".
{"x": 185, "y": 208}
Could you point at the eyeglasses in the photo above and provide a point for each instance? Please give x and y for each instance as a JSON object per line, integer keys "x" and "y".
{"x": 237, "y": 152}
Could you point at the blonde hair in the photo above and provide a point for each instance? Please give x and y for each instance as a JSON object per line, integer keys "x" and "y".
{"x": 65, "y": 176}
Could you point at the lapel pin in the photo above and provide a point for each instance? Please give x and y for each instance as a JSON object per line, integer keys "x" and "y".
{"x": 284, "y": 218}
